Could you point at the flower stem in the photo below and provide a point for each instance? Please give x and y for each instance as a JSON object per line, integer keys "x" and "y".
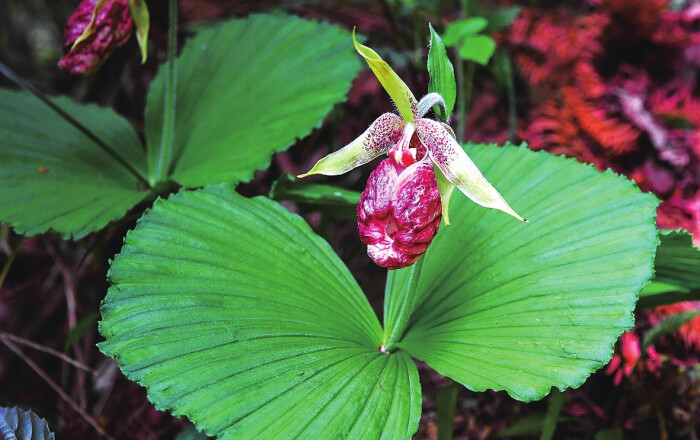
{"x": 394, "y": 331}
{"x": 465, "y": 84}
{"x": 510, "y": 87}
{"x": 556, "y": 403}
{"x": 459, "y": 72}
{"x": 466, "y": 101}
{"x": 446, "y": 407}
{"x": 168, "y": 133}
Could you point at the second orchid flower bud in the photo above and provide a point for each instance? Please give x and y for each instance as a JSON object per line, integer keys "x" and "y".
{"x": 98, "y": 27}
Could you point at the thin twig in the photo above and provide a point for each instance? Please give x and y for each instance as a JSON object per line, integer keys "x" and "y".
{"x": 47, "y": 350}
{"x": 69, "y": 277}
{"x": 132, "y": 417}
{"x": 406, "y": 307}
{"x": 662, "y": 422}
{"x": 69, "y": 284}
{"x": 92, "y": 422}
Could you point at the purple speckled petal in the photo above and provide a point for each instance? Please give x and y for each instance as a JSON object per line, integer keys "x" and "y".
{"x": 458, "y": 168}
{"x": 376, "y": 140}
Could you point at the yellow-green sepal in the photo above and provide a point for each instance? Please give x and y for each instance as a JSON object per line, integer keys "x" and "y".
{"x": 90, "y": 29}
{"x": 341, "y": 161}
{"x": 397, "y": 89}
{"x": 142, "y": 21}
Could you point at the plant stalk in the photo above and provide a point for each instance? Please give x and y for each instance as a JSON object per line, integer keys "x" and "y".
{"x": 465, "y": 84}
{"x": 463, "y": 115}
{"x": 446, "y": 408}
{"x": 554, "y": 406}
{"x": 510, "y": 88}
{"x": 408, "y": 304}
{"x": 461, "y": 119}
{"x": 168, "y": 134}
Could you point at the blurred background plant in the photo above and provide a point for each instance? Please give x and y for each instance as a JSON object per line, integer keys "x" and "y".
{"x": 613, "y": 83}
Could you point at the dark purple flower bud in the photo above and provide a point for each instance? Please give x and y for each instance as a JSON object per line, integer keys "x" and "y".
{"x": 399, "y": 213}
{"x": 97, "y": 40}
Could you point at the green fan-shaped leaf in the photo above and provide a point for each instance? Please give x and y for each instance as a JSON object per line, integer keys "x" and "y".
{"x": 523, "y": 307}
{"x": 499, "y": 18}
{"x": 295, "y": 190}
{"x": 337, "y": 203}
{"x": 18, "y": 424}
{"x": 677, "y": 269}
{"x": 56, "y": 177}
{"x": 467, "y": 27}
{"x": 479, "y": 48}
{"x": 678, "y": 260}
{"x": 232, "y": 312}
{"x": 248, "y": 88}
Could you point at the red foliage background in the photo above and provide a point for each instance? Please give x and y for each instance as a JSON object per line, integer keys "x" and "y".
{"x": 617, "y": 87}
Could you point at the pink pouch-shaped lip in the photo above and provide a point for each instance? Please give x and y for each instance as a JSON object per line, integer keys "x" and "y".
{"x": 399, "y": 212}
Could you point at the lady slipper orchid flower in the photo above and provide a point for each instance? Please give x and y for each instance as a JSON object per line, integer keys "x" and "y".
{"x": 400, "y": 209}
{"x": 98, "y": 27}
